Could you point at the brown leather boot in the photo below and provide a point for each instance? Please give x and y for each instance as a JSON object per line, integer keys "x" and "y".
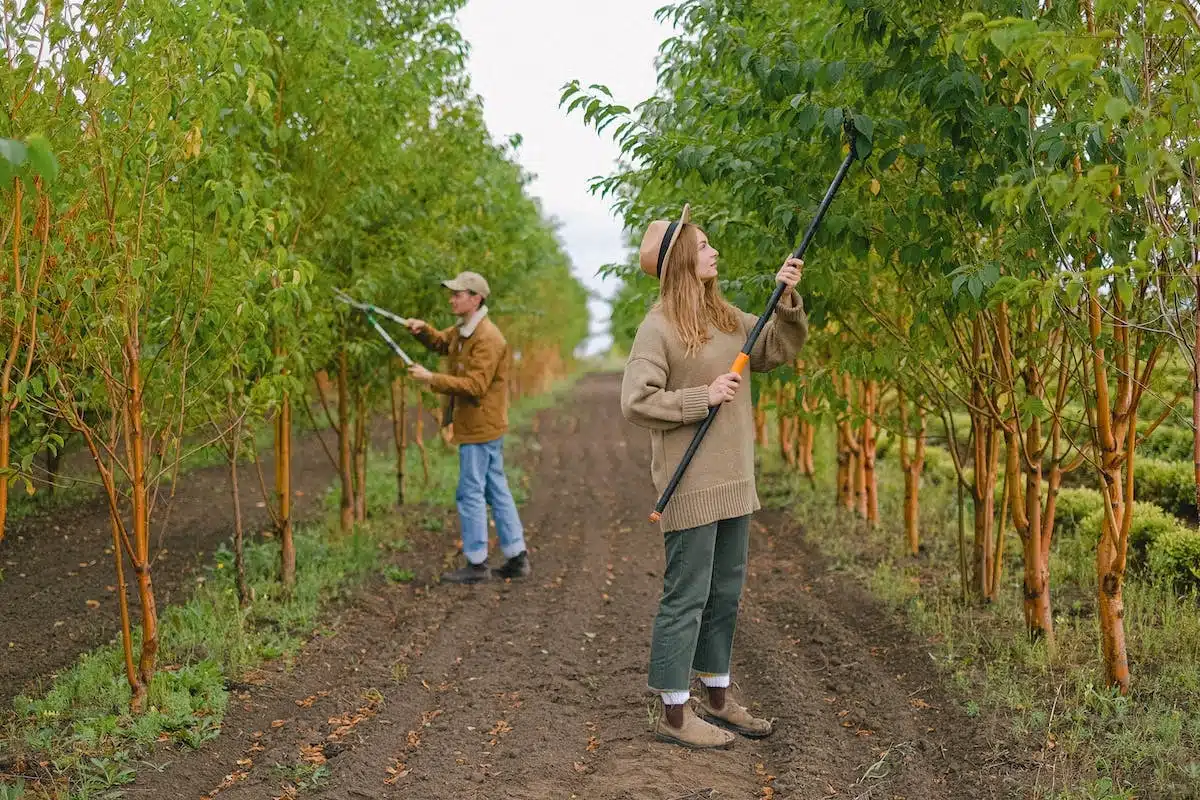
{"x": 694, "y": 733}
{"x": 733, "y": 716}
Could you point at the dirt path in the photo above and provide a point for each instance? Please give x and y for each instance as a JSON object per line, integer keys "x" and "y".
{"x": 53, "y": 564}
{"x": 536, "y": 690}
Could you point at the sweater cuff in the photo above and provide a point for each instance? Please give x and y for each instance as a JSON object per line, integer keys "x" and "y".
{"x": 695, "y": 404}
{"x": 790, "y": 307}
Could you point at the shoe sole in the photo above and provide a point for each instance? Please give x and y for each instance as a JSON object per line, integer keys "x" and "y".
{"x": 662, "y": 737}
{"x": 740, "y": 731}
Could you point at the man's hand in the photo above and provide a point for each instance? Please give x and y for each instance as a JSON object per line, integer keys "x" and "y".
{"x": 419, "y": 373}
{"x": 415, "y": 326}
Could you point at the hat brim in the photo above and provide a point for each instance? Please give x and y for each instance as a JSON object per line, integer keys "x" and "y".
{"x": 675, "y": 228}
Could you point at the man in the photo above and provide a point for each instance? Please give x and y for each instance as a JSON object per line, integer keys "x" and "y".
{"x": 476, "y": 408}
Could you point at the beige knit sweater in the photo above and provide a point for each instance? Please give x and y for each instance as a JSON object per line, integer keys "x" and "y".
{"x": 667, "y": 392}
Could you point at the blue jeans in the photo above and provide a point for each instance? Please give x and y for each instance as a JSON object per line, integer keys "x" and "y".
{"x": 481, "y": 483}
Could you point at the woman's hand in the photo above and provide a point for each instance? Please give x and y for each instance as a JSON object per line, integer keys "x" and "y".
{"x": 415, "y": 326}
{"x": 789, "y": 274}
{"x": 723, "y": 389}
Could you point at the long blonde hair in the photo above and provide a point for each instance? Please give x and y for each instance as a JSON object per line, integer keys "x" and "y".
{"x": 692, "y": 305}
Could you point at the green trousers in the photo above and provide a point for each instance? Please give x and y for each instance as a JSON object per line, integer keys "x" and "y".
{"x": 702, "y": 585}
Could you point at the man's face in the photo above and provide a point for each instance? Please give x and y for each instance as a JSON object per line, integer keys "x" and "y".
{"x": 464, "y": 303}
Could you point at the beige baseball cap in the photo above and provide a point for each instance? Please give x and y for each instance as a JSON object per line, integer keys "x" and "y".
{"x": 468, "y": 282}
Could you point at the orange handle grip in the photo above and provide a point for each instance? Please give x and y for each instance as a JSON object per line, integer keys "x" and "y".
{"x": 740, "y": 363}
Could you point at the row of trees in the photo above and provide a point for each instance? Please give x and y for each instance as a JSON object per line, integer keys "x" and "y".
{"x": 1017, "y": 246}
{"x": 182, "y": 187}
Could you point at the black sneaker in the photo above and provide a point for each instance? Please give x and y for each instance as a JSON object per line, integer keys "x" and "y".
{"x": 515, "y": 568}
{"x": 471, "y": 573}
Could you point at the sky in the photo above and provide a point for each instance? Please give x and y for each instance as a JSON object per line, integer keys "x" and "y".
{"x": 522, "y": 52}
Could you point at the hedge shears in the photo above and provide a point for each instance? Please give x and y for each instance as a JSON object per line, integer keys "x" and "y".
{"x": 371, "y": 311}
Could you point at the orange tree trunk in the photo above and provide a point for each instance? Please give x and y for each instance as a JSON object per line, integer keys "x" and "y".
{"x": 131, "y": 675}
{"x": 139, "y": 491}
{"x": 1116, "y": 431}
{"x": 760, "y": 420}
{"x": 360, "y": 456}
{"x": 345, "y": 465}
{"x": 419, "y": 435}
{"x": 1195, "y": 398}
{"x": 787, "y": 426}
{"x": 15, "y": 277}
{"x": 399, "y": 434}
{"x": 986, "y": 438}
{"x": 808, "y": 437}
{"x": 239, "y": 553}
{"x": 871, "y": 484}
{"x": 911, "y": 463}
{"x": 283, "y": 492}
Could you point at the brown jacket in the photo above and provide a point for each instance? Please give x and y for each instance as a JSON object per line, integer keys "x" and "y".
{"x": 475, "y": 381}
{"x": 666, "y": 391}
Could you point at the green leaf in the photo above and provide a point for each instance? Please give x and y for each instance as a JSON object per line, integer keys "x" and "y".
{"x": 864, "y": 126}
{"x": 13, "y": 152}
{"x": 1116, "y": 107}
{"x": 806, "y": 118}
{"x": 41, "y": 158}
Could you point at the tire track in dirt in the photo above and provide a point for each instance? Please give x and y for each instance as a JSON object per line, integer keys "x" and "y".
{"x": 537, "y": 689}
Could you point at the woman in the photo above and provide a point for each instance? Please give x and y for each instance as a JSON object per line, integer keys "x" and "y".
{"x": 678, "y": 369}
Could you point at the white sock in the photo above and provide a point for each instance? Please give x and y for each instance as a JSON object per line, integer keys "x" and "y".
{"x": 675, "y": 698}
{"x": 715, "y": 681}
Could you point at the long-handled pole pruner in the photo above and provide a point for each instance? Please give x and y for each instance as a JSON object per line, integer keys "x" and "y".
{"x": 371, "y": 311}
{"x": 743, "y": 358}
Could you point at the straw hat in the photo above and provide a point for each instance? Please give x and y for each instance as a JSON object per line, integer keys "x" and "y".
{"x": 660, "y": 238}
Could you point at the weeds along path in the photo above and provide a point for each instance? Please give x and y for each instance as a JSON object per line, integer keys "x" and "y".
{"x": 54, "y": 564}
{"x": 537, "y": 689}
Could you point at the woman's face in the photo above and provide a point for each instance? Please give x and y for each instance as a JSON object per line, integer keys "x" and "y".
{"x": 706, "y": 258}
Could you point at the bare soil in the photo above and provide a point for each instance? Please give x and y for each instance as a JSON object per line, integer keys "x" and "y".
{"x": 536, "y": 689}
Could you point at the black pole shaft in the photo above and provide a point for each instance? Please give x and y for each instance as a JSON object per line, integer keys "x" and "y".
{"x": 752, "y": 339}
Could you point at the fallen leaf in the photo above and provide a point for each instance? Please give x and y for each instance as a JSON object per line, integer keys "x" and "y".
{"x": 581, "y": 768}
{"x": 279, "y": 723}
{"x": 593, "y": 744}
{"x": 917, "y": 702}
{"x": 397, "y": 771}
{"x": 93, "y": 603}
{"x": 312, "y": 754}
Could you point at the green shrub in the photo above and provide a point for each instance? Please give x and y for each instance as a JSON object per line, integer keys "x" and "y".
{"x": 1073, "y": 506}
{"x": 1170, "y": 484}
{"x": 1175, "y": 558}
{"x": 1169, "y": 443}
{"x": 1149, "y": 522}
{"x": 939, "y": 466}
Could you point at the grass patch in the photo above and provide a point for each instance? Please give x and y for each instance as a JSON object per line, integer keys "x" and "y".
{"x": 69, "y": 493}
{"x": 1094, "y": 743}
{"x": 83, "y": 722}
{"x": 82, "y": 726}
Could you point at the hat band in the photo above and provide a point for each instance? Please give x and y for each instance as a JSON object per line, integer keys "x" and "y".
{"x": 665, "y": 246}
